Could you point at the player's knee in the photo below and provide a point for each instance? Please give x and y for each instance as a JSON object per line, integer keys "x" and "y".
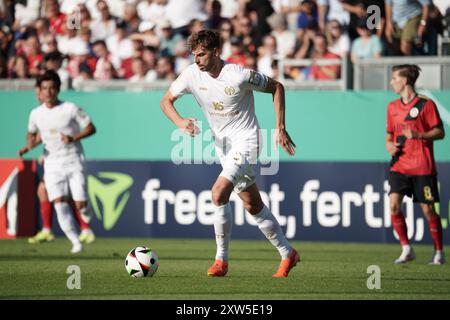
{"x": 428, "y": 210}
{"x": 219, "y": 196}
{"x": 80, "y": 205}
{"x": 253, "y": 207}
{"x": 395, "y": 208}
{"x": 42, "y": 192}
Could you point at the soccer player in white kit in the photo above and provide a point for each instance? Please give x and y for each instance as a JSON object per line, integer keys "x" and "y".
{"x": 224, "y": 93}
{"x": 59, "y": 124}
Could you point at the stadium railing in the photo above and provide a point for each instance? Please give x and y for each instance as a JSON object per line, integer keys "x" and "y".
{"x": 369, "y": 74}
{"x": 443, "y": 45}
{"x": 309, "y": 84}
{"x": 375, "y": 74}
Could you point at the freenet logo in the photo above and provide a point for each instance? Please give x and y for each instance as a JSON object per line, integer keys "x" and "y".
{"x": 109, "y": 199}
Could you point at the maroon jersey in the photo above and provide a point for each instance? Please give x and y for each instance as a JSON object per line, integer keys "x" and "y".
{"x": 420, "y": 115}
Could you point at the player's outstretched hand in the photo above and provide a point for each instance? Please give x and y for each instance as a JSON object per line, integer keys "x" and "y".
{"x": 66, "y": 139}
{"x": 283, "y": 139}
{"x": 189, "y": 127}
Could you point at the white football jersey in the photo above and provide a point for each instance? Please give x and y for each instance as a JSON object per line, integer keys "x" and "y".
{"x": 226, "y": 101}
{"x": 64, "y": 118}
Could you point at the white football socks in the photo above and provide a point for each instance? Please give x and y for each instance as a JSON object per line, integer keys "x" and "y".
{"x": 270, "y": 227}
{"x": 222, "y": 228}
{"x": 66, "y": 221}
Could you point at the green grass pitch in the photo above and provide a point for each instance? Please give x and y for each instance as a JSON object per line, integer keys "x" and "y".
{"x": 327, "y": 271}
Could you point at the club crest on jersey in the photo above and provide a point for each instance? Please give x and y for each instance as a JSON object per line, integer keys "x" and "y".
{"x": 218, "y": 106}
{"x": 414, "y": 112}
{"x": 230, "y": 91}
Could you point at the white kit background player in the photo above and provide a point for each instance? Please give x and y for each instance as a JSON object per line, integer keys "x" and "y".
{"x": 225, "y": 95}
{"x": 59, "y": 124}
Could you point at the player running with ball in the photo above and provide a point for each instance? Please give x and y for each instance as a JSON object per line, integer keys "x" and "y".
{"x": 224, "y": 93}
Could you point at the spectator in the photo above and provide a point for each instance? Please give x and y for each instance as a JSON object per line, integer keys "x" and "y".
{"x": 237, "y": 55}
{"x": 406, "y": 23}
{"x": 103, "y": 59}
{"x": 149, "y": 56}
{"x": 152, "y": 10}
{"x": 266, "y": 55}
{"x": 229, "y": 8}
{"x": 250, "y": 37}
{"x": 260, "y": 10}
{"x": 195, "y": 26}
{"x": 215, "y": 17}
{"x": 180, "y": 13}
{"x": 367, "y": 46}
{"x": 54, "y": 61}
{"x": 358, "y": 10}
{"x": 34, "y": 55}
{"x": 329, "y": 72}
{"x": 3, "y": 68}
{"x": 306, "y": 48}
{"x": 164, "y": 69}
{"x": 119, "y": 45}
{"x": 5, "y": 42}
{"x": 139, "y": 70}
{"x": 84, "y": 73}
{"x": 25, "y": 13}
{"x": 182, "y": 56}
{"x": 226, "y": 31}
{"x": 131, "y": 19}
{"x": 285, "y": 38}
{"x": 20, "y": 68}
{"x": 42, "y": 27}
{"x": 50, "y": 44}
{"x": 308, "y": 14}
{"x": 338, "y": 41}
{"x": 55, "y": 17}
{"x": 105, "y": 25}
{"x": 332, "y": 10}
{"x": 168, "y": 38}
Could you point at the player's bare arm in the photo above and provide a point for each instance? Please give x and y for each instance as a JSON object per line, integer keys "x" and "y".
{"x": 33, "y": 140}
{"x": 89, "y": 130}
{"x": 391, "y": 146}
{"x": 436, "y": 133}
{"x": 282, "y": 136}
{"x": 187, "y": 125}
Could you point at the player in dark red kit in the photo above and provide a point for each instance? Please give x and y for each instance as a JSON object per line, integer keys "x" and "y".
{"x": 413, "y": 123}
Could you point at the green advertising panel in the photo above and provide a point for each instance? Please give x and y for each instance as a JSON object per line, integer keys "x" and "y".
{"x": 325, "y": 125}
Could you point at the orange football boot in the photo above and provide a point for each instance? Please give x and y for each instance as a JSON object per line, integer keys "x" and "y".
{"x": 218, "y": 269}
{"x": 287, "y": 264}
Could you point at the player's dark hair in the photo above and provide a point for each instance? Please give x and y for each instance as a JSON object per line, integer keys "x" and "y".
{"x": 409, "y": 71}
{"x": 208, "y": 39}
{"x": 49, "y": 75}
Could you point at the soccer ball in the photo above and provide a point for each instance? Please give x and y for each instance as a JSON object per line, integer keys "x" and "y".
{"x": 141, "y": 262}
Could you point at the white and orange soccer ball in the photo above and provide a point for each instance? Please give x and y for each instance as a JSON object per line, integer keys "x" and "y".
{"x": 141, "y": 262}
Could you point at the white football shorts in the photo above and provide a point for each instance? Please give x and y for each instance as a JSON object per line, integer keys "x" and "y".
{"x": 237, "y": 166}
{"x": 68, "y": 181}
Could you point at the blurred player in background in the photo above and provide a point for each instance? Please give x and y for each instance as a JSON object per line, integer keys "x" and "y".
{"x": 413, "y": 123}
{"x": 45, "y": 206}
{"x": 224, "y": 93}
{"x": 58, "y": 124}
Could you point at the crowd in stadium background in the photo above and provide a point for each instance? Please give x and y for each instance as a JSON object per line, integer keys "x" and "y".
{"x": 145, "y": 40}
